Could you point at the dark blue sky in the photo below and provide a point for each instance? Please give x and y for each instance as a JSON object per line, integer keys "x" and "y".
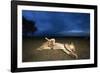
{"x": 59, "y": 23}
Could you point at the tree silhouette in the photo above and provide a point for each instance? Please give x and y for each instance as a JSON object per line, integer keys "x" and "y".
{"x": 28, "y": 26}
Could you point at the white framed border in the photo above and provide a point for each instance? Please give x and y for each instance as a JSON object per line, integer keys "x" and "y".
{"x": 53, "y": 63}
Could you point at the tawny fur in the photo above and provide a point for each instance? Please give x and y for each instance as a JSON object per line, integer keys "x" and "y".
{"x": 67, "y": 48}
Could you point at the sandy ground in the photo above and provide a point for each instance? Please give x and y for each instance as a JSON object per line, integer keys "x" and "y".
{"x": 31, "y": 54}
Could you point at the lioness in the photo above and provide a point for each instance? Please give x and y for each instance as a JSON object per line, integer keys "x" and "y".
{"x": 67, "y": 48}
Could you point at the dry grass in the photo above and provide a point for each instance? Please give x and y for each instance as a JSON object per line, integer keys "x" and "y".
{"x": 30, "y": 52}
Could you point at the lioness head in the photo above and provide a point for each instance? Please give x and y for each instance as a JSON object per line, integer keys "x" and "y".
{"x": 51, "y": 42}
